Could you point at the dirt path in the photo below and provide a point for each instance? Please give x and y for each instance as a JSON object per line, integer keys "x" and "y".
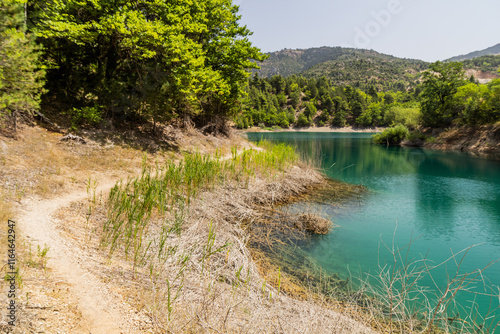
{"x": 102, "y": 311}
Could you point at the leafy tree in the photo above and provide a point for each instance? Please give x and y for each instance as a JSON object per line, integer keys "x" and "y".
{"x": 291, "y": 115}
{"x": 356, "y": 100}
{"x": 283, "y": 120}
{"x": 21, "y": 74}
{"x": 373, "y": 92}
{"x": 281, "y": 98}
{"x": 341, "y": 111}
{"x": 407, "y": 116}
{"x": 440, "y": 84}
{"x": 472, "y": 104}
{"x": 388, "y": 98}
{"x": 295, "y": 96}
{"x": 371, "y": 116}
{"x": 160, "y": 58}
{"x": 312, "y": 89}
{"x": 327, "y": 103}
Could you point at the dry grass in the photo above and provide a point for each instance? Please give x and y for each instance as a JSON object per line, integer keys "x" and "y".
{"x": 220, "y": 263}
{"x": 205, "y": 278}
{"x": 314, "y": 224}
{"x": 36, "y": 164}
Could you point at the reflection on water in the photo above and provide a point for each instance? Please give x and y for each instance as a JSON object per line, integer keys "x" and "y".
{"x": 450, "y": 200}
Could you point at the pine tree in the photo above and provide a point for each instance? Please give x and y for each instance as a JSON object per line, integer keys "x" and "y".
{"x": 21, "y": 76}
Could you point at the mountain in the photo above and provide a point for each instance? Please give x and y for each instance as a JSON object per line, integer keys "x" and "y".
{"x": 365, "y": 68}
{"x": 345, "y": 66}
{"x": 491, "y": 51}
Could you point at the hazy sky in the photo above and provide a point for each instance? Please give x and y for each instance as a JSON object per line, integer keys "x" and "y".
{"x": 423, "y": 29}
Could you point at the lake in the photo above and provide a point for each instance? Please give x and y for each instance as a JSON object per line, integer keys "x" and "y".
{"x": 444, "y": 201}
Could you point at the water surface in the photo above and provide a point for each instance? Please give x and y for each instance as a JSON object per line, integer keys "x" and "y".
{"x": 447, "y": 201}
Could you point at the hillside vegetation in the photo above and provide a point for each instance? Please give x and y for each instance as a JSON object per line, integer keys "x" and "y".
{"x": 343, "y": 66}
{"x": 301, "y": 102}
{"x": 362, "y": 68}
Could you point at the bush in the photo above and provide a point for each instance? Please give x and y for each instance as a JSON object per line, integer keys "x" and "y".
{"x": 417, "y": 136}
{"x": 392, "y": 136}
{"x": 409, "y": 117}
{"x": 85, "y": 116}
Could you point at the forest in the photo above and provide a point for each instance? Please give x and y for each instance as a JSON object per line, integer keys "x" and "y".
{"x": 87, "y": 62}
{"x": 444, "y": 97}
{"x": 91, "y": 60}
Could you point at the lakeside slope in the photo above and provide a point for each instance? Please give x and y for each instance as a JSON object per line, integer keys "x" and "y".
{"x": 481, "y": 139}
{"x": 58, "y": 194}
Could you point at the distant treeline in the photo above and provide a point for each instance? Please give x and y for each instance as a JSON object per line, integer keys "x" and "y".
{"x": 444, "y": 97}
{"x": 297, "y": 101}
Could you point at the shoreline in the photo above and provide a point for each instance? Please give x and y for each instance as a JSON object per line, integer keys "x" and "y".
{"x": 347, "y": 129}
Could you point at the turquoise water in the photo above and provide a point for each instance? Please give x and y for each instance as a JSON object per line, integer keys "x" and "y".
{"x": 444, "y": 201}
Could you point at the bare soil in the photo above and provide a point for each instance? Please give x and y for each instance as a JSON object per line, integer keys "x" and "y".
{"x": 77, "y": 288}
{"x": 481, "y": 139}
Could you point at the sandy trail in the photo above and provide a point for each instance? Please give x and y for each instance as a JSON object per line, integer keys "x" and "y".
{"x": 102, "y": 311}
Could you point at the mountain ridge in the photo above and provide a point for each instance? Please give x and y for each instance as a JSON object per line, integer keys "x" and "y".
{"x": 491, "y": 51}
{"x": 363, "y": 68}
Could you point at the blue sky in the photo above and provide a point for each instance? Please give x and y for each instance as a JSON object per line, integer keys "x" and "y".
{"x": 423, "y": 29}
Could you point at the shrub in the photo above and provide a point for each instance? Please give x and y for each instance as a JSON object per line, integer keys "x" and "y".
{"x": 392, "y": 136}
{"x": 85, "y": 116}
{"x": 409, "y": 117}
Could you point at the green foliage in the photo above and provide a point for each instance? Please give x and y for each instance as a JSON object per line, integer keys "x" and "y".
{"x": 409, "y": 117}
{"x": 344, "y": 66}
{"x": 303, "y": 120}
{"x": 472, "y": 104}
{"x": 21, "y": 74}
{"x": 417, "y": 135}
{"x": 494, "y": 88}
{"x": 488, "y": 63}
{"x": 283, "y": 120}
{"x": 371, "y": 116}
{"x": 167, "y": 191}
{"x": 85, "y": 116}
{"x": 337, "y": 106}
{"x": 447, "y": 98}
{"x": 161, "y": 59}
{"x": 392, "y": 136}
{"x": 440, "y": 84}
{"x": 310, "y": 110}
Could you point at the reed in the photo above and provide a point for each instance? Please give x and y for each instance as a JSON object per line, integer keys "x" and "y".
{"x": 165, "y": 192}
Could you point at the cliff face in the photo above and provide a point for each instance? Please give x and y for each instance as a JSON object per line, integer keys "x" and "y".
{"x": 480, "y": 139}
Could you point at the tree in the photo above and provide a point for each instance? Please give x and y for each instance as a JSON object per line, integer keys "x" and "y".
{"x": 310, "y": 110}
{"x": 283, "y": 120}
{"x": 312, "y": 89}
{"x": 494, "y": 87}
{"x": 159, "y": 58}
{"x": 278, "y": 83}
{"x": 356, "y": 101}
{"x": 388, "y": 98}
{"x": 295, "y": 95}
{"x": 303, "y": 120}
{"x": 341, "y": 111}
{"x": 474, "y": 104}
{"x": 439, "y": 86}
{"x": 21, "y": 74}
